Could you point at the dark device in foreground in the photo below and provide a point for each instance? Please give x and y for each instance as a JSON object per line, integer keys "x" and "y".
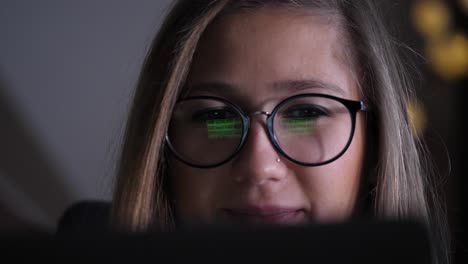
{"x": 351, "y": 242}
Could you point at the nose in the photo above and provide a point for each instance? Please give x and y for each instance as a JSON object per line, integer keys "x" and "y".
{"x": 259, "y": 163}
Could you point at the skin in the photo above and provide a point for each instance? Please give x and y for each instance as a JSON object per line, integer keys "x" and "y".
{"x": 252, "y": 53}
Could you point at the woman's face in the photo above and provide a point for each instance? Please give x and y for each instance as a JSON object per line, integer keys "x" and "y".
{"x": 252, "y": 54}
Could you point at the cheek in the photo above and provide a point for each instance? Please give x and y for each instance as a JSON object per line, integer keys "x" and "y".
{"x": 194, "y": 192}
{"x": 333, "y": 189}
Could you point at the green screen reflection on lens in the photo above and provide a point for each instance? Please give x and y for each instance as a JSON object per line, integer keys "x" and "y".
{"x": 224, "y": 128}
{"x": 299, "y": 126}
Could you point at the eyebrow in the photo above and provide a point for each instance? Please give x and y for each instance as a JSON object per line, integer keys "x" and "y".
{"x": 297, "y": 85}
{"x": 286, "y": 85}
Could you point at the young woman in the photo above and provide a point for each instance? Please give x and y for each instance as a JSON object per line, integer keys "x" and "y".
{"x": 272, "y": 112}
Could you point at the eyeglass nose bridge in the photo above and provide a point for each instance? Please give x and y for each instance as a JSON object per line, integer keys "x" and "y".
{"x": 265, "y": 113}
{"x": 267, "y": 126}
{"x": 268, "y": 114}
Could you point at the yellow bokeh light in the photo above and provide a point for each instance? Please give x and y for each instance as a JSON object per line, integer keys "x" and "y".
{"x": 449, "y": 58}
{"x": 417, "y": 117}
{"x": 431, "y": 18}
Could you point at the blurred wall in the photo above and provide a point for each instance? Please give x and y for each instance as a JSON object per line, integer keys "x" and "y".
{"x": 67, "y": 72}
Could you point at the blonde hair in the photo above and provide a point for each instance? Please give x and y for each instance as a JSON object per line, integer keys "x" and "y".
{"x": 402, "y": 186}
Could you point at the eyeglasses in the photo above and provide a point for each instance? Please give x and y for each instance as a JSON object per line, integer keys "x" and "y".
{"x": 308, "y": 129}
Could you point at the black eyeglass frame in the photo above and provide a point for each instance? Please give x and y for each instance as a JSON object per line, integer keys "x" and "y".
{"x": 352, "y": 106}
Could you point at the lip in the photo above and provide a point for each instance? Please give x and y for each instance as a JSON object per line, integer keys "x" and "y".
{"x": 275, "y": 215}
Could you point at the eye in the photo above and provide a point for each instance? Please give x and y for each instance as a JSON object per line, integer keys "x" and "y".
{"x": 214, "y": 114}
{"x": 309, "y": 111}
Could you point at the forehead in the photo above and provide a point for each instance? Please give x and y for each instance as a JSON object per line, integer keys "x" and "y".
{"x": 259, "y": 48}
